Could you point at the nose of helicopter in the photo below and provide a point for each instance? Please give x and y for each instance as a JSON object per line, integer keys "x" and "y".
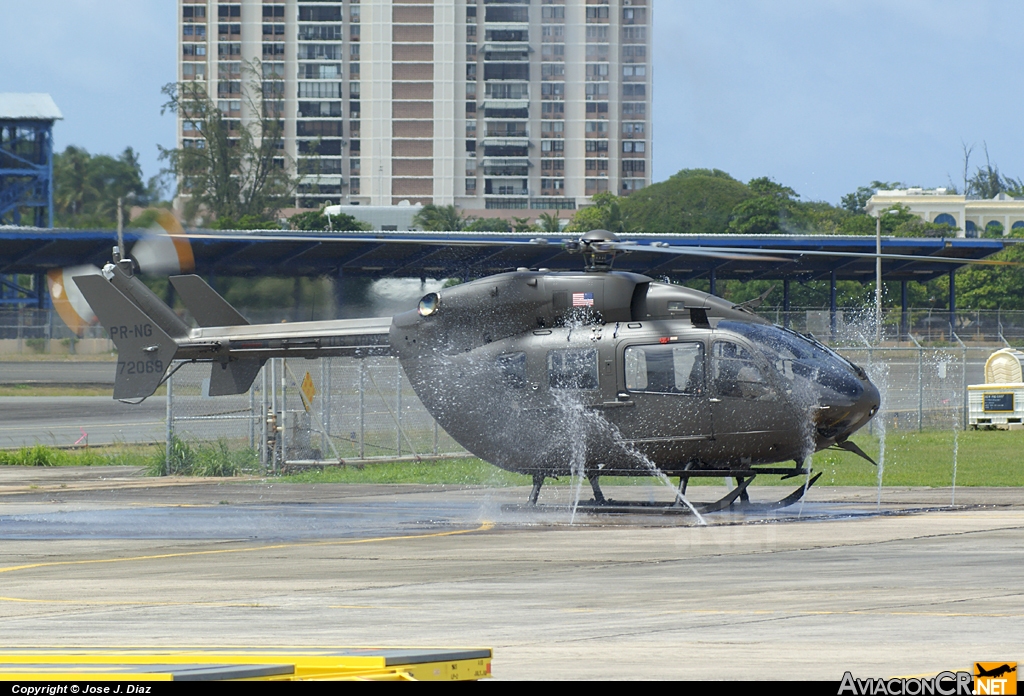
{"x": 839, "y": 416}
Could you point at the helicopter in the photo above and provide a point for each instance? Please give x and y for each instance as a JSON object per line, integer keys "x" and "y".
{"x": 594, "y": 373}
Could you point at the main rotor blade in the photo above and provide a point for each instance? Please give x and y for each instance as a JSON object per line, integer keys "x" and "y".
{"x": 502, "y": 239}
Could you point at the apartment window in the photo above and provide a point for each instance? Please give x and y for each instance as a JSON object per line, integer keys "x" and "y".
{"x": 320, "y": 52}
{"x": 320, "y": 32}
{"x": 353, "y": 90}
{"x": 634, "y": 108}
{"x": 633, "y": 165}
{"x": 597, "y": 107}
{"x": 354, "y": 32}
{"x": 597, "y": 71}
{"x": 227, "y": 71}
{"x": 320, "y": 71}
{"x": 194, "y": 32}
{"x": 193, "y": 49}
{"x": 273, "y": 30}
{"x": 353, "y": 165}
{"x": 550, "y": 71}
{"x": 319, "y": 109}
{"x": 596, "y": 89}
{"x": 319, "y": 129}
{"x": 634, "y": 146}
{"x": 633, "y": 53}
{"x": 313, "y": 13}
{"x": 229, "y": 11}
{"x": 471, "y": 31}
{"x": 552, "y": 184}
{"x": 597, "y": 145}
{"x": 637, "y": 90}
{"x": 596, "y": 127}
{"x": 597, "y": 165}
{"x": 552, "y": 145}
{"x": 353, "y": 186}
{"x": 321, "y": 90}
{"x": 471, "y": 186}
{"x": 508, "y": 90}
{"x": 354, "y": 131}
{"x": 553, "y": 109}
{"x": 597, "y": 12}
{"x": 354, "y": 146}
{"x": 631, "y": 129}
{"x": 552, "y": 13}
{"x": 272, "y": 50}
{"x": 553, "y": 90}
{"x": 229, "y": 49}
{"x": 552, "y": 126}
{"x": 229, "y": 29}
{"x": 354, "y": 12}
{"x": 552, "y": 165}
{"x": 194, "y": 12}
{"x": 552, "y": 51}
{"x": 630, "y": 34}
{"x": 597, "y": 52}
{"x": 508, "y": 71}
{"x": 597, "y": 33}
{"x": 494, "y": 13}
{"x": 634, "y": 15}
{"x": 634, "y": 70}
{"x": 273, "y": 11}
{"x": 553, "y": 32}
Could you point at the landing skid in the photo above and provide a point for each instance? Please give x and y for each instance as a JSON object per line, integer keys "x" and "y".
{"x": 726, "y": 502}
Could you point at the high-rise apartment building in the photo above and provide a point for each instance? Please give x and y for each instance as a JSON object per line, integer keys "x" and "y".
{"x": 487, "y": 104}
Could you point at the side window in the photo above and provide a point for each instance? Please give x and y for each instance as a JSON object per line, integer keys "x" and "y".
{"x": 676, "y": 368}
{"x": 734, "y": 373}
{"x": 572, "y": 369}
{"x": 512, "y": 368}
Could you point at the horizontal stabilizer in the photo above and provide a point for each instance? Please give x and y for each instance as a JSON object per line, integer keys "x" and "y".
{"x": 144, "y": 350}
{"x": 233, "y": 377}
{"x": 208, "y": 308}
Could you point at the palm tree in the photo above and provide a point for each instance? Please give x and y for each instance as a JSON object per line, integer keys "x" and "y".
{"x": 551, "y": 224}
{"x": 439, "y": 218}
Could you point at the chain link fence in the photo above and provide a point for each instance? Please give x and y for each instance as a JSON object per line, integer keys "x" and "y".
{"x": 360, "y": 410}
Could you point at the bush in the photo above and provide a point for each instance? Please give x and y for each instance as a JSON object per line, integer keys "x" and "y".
{"x": 204, "y": 460}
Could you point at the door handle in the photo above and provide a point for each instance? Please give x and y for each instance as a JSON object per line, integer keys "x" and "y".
{"x": 714, "y": 400}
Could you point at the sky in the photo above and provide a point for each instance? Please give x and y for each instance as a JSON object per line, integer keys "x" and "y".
{"x": 821, "y": 95}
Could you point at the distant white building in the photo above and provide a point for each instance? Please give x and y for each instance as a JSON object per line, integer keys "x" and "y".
{"x": 387, "y": 218}
{"x": 969, "y": 215}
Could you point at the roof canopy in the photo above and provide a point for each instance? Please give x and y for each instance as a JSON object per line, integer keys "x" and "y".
{"x": 28, "y": 107}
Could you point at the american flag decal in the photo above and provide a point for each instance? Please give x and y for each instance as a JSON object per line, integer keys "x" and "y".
{"x": 583, "y": 299}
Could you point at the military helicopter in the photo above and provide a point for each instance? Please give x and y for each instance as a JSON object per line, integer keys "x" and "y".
{"x": 598, "y": 372}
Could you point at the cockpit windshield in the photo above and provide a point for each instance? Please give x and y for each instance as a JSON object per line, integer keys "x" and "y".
{"x": 794, "y": 355}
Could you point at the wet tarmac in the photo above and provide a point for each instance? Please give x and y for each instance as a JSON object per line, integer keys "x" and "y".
{"x": 105, "y": 556}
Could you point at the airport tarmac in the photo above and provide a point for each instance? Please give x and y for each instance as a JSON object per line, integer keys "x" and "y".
{"x": 61, "y": 421}
{"x": 105, "y": 556}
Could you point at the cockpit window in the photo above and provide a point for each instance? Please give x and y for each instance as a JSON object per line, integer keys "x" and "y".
{"x": 735, "y": 373}
{"x": 676, "y": 368}
{"x": 793, "y": 355}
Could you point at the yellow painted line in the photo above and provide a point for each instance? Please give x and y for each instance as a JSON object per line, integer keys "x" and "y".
{"x": 100, "y": 602}
{"x": 249, "y": 549}
{"x": 362, "y": 606}
{"x": 809, "y": 612}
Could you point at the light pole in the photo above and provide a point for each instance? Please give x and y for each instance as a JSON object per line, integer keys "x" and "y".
{"x": 878, "y": 273}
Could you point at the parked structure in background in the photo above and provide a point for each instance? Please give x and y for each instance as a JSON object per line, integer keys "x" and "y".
{"x": 972, "y": 217}
{"x": 26, "y": 178}
{"x": 490, "y": 106}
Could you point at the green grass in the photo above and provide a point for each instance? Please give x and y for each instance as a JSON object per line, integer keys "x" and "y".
{"x": 40, "y": 455}
{"x": 985, "y": 458}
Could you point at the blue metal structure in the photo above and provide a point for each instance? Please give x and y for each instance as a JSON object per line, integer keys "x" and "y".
{"x": 26, "y": 177}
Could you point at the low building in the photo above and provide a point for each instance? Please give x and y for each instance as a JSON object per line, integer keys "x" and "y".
{"x": 971, "y": 216}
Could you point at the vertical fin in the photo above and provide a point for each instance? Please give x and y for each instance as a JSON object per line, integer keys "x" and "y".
{"x": 208, "y": 308}
{"x": 144, "y": 350}
{"x": 234, "y": 377}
